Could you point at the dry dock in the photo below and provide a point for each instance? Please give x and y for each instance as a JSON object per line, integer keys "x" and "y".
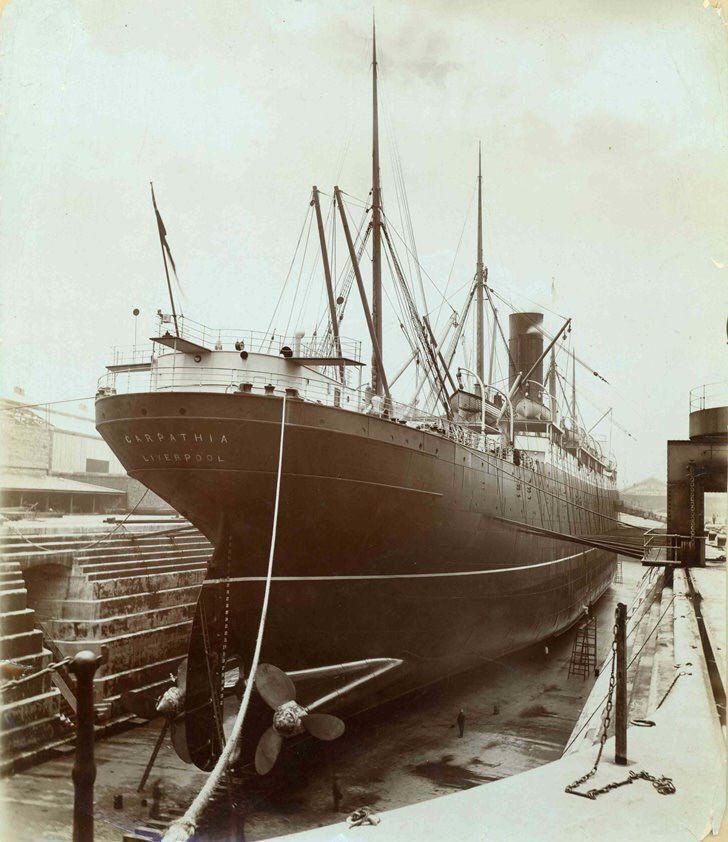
{"x": 520, "y": 712}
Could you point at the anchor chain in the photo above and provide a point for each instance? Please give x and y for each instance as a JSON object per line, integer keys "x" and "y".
{"x": 571, "y": 789}
{"x": 662, "y": 784}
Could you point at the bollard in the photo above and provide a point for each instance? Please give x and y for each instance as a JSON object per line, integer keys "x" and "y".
{"x": 83, "y": 667}
{"x": 620, "y": 721}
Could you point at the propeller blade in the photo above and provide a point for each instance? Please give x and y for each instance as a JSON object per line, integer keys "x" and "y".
{"x": 266, "y": 754}
{"x": 274, "y": 685}
{"x": 182, "y": 676}
{"x": 179, "y": 739}
{"x": 145, "y": 707}
{"x": 323, "y": 726}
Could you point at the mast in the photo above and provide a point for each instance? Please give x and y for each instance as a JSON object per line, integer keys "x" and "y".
{"x": 165, "y": 250}
{"x": 491, "y": 359}
{"x": 327, "y": 274}
{"x": 479, "y": 338}
{"x": 377, "y": 383}
{"x": 362, "y": 291}
{"x": 573, "y": 390}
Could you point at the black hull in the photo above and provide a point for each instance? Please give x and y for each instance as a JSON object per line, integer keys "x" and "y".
{"x": 387, "y": 546}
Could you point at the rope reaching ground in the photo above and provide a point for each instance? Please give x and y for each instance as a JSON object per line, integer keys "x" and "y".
{"x": 183, "y": 828}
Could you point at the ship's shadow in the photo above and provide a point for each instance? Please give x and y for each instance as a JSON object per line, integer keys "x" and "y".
{"x": 307, "y": 761}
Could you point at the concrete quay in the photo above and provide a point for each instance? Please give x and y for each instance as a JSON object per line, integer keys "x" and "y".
{"x": 684, "y": 741}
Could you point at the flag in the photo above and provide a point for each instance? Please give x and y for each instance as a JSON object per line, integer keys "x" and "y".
{"x": 163, "y": 234}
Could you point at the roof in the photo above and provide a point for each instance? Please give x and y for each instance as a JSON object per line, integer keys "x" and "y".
{"x": 648, "y": 486}
{"x": 26, "y": 482}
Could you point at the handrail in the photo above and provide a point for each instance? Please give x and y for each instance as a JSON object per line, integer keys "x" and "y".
{"x": 709, "y": 395}
{"x": 263, "y": 342}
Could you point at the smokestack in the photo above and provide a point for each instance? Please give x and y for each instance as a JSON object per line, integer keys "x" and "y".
{"x": 525, "y": 343}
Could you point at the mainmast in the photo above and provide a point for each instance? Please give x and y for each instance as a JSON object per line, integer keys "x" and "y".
{"x": 377, "y": 384}
{"x": 573, "y": 390}
{"x": 479, "y": 282}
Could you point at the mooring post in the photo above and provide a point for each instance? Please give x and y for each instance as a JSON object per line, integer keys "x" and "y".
{"x": 620, "y": 723}
{"x": 83, "y": 667}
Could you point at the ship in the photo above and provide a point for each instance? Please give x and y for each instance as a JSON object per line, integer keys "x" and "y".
{"x": 407, "y": 541}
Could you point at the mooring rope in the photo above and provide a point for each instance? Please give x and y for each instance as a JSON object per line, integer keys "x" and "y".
{"x": 184, "y": 828}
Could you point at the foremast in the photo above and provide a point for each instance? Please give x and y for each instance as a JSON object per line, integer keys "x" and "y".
{"x": 377, "y": 382}
{"x": 480, "y": 283}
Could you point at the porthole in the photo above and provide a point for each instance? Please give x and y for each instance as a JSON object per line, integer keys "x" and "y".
{"x": 144, "y": 412}
{"x": 198, "y": 358}
{"x": 182, "y": 411}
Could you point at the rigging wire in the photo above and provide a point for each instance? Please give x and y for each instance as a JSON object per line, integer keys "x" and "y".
{"x": 309, "y": 211}
{"x": 300, "y": 272}
{"x": 393, "y": 228}
{"x": 455, "y": 257}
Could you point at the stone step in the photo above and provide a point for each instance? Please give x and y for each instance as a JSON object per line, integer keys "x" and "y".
{"x": 145, "y": 561}
{"x": 86, "y": 537}
{"x": 13, "y": 600}
{"x": 120, "y": 606}
{"x": 15, "y": 622}
{"x": 168, "y": 566}
{"x": 25, "y": 737}
{"x": 141, "y": 583}
{"x": 34, "y": 687}
{"x": 151, "y": 678}
{"x": 16, "y": 645}
{"x": 30, "y": 709}
{"x": 133, "y": 650}
{"x": 8, "y": 566}
{"x": 87, "y": 545}
{"x": 170, "y": 542}
{"x": 14, "y": 584}
{"x": 146, "y": 616}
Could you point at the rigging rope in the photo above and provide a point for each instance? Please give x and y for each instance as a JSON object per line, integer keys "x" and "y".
{"x": 183, "y": 828}
{"x": 290, "y": 269}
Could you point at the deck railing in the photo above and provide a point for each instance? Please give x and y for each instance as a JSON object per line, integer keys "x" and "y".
{"x": 662, "y": 547}
{"x": 709, "y": 396}
{"x": 259, "y": 341}
{"x": 327, "y": 393}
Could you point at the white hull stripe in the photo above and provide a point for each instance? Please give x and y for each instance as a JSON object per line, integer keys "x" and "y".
{"x": 396, "y": 575}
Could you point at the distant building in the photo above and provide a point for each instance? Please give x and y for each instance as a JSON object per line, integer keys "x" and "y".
{"x": 52, "y": 459}
{"x": 649, "y": 495}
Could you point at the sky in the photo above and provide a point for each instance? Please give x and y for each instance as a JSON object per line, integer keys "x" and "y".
{"x": 603, "y": 128}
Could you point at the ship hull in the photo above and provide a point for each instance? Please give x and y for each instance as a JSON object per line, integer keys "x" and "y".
{"x": 391, "y": 542}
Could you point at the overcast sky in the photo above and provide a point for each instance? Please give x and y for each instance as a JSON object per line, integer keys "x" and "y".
{"x": 603, "y": 127}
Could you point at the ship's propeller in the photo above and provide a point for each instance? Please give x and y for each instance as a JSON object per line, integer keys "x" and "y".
{"x": 289, "y": 718}
{"x": 274, "y": 685}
